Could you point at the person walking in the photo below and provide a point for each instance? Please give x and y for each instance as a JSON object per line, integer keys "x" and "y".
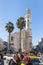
{"x": 1, "y": 60}
{"x": 13, "y": 60}
{"x": 27, "y": 60}
{"x": 22, "y": 60}
{"x": 18, "y": 59}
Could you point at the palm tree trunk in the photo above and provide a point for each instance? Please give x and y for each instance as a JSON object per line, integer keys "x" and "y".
{"x": 9, "y": 42}
{"x": 20, "y": 42}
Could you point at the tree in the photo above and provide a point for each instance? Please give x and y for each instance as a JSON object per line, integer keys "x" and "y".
{"x": 20, "y": 24}
{"x": 9, "y": 27}
{"x": 38, "y": 48}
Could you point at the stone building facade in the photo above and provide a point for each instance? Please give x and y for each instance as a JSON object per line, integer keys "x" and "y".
{"x": 26, "y": 35}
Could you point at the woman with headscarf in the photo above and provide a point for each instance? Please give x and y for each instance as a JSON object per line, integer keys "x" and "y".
{"x": 13, "y": 60}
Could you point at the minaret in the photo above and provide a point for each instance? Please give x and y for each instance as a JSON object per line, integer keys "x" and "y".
{"x": 28, "y": 39}
{"x": 28, "y": 22}
{"x": 28, "y": 18}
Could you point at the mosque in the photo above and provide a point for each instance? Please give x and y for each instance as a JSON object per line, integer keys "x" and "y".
{"x": 26, "y": 35}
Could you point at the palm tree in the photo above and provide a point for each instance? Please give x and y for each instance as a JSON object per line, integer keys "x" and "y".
{"x": 9, "y": 27}
{"x": 20, "y": 24}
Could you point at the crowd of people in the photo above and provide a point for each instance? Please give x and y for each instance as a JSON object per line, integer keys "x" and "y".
{"x": 18, "y": 59}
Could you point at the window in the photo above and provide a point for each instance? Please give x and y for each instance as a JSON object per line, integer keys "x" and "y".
{"x": 11, "y": 38}
{"x": 28, "y": 23}
{"x": 28, "y": 19}
{"x": 11, "y": 43}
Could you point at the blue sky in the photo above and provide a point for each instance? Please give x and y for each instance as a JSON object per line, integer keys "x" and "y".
{"x": 11, "y": 10}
